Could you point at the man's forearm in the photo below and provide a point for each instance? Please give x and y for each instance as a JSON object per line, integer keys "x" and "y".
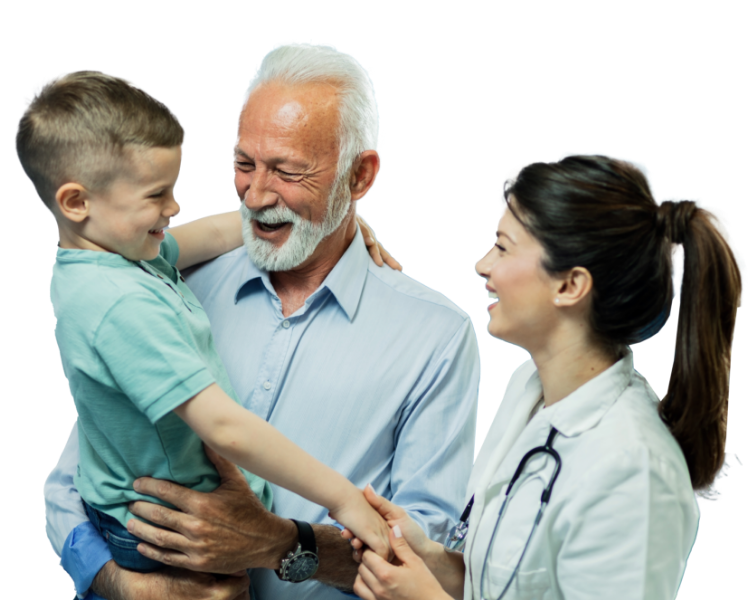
{"x": 108, "y": 584}
{"x": 337, "y": 567}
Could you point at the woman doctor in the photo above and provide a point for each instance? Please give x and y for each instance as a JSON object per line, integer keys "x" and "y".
{"x": 580, "y": 269}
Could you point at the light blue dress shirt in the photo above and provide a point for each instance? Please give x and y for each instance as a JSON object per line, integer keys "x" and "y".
{"x": 376, "y": 376}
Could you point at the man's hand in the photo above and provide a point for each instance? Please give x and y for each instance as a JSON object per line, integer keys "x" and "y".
{"x": 379, "y": 254}
{"x": 224, "y": 531}
{"x": 116, "y": 583}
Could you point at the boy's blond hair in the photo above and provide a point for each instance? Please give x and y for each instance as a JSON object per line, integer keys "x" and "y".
{"x": 80, "y": 127}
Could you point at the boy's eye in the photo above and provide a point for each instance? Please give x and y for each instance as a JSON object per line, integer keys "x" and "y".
{"x": 157, "y": 194}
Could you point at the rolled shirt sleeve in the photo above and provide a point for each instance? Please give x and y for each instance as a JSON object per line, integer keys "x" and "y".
{"x": 83, "y": 552}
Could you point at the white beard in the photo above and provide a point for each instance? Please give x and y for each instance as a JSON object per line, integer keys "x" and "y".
{"x": 304, "y": 236}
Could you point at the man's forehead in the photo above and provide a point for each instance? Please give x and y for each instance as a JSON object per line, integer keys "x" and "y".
{"x": 305, "y": 115}
{"x": 292, "y": 104}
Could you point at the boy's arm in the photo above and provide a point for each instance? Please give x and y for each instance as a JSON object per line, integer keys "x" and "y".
{"x": 207, "y": 238}
{"x": 252, "y": 443}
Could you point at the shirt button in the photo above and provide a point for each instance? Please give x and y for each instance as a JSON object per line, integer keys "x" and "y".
{"x": 267, "y": 385}
{"x": 286, "y": 324}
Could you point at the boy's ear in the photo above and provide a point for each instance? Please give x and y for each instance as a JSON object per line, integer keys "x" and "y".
{"x": 72, "y": 200}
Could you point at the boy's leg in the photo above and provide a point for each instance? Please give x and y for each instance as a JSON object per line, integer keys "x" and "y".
{"x": 122, "y": 544}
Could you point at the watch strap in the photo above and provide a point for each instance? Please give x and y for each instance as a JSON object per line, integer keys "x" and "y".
{"x": 306, "y": 536}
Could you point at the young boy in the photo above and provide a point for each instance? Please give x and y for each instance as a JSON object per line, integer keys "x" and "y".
{"x": 135, "y": 343}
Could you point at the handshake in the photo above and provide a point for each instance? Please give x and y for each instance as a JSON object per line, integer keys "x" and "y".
{"x": 393, "y": 551}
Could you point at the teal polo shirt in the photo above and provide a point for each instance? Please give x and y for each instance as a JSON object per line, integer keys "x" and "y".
{"x": 135, "y": 344}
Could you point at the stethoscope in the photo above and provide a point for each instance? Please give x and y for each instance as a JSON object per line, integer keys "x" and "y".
{"x": 457, "y": 537}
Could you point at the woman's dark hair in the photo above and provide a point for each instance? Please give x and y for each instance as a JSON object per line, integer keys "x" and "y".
{"x": 598, "y": 213}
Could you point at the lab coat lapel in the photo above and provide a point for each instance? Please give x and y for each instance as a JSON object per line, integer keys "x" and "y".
{"x": 533, "y": 390}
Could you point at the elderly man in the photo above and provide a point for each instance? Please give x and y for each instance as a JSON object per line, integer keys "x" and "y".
{"x": 369, "y": 371}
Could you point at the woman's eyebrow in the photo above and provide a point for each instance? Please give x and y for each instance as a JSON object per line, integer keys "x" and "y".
{"x": 502, "y": 234}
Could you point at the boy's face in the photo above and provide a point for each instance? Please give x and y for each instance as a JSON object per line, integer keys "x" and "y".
{"x": 129, "y": 217}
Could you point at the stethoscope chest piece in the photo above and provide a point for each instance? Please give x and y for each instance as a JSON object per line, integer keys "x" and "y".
{"x": 456, "y": 539}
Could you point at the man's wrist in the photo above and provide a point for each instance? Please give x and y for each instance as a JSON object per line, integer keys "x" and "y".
{"x": 337, "y": 566}
{"x": 108, "y": 584}
{"x": 285, "y": 540}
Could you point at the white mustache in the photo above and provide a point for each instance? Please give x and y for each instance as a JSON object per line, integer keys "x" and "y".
{"x": 276, "y": 215}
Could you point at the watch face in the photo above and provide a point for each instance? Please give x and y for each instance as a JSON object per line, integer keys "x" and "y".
{"x": 302, "y": 567}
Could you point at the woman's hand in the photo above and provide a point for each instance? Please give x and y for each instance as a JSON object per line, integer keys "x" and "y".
{"x": 410, "y": 579}
{"x": 377, "y": 252}
{"x": 394, "y": 515}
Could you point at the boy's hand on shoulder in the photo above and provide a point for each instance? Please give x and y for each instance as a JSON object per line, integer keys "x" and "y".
{"x": 379, "y": 254}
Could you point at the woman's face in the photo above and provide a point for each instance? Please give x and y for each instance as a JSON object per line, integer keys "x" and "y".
{"x": 524, "y": 310}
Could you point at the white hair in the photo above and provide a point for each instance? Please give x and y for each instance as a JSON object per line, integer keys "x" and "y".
{"x": 303, "y": 63}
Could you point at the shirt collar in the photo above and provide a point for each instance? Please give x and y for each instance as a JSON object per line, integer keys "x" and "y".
{"x": 584, "y": 408}
{"x": 345, "y": 281}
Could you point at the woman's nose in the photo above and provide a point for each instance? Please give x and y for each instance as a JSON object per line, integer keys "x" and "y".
{"x": 483, "y": 265}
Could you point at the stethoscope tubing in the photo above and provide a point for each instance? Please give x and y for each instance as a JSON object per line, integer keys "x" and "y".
{"x": 544, "y": 499}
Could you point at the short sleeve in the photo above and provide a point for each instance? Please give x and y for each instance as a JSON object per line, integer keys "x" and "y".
{"x": 150, "y": 354}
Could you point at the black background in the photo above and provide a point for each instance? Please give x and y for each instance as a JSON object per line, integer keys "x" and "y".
{"x": 454, "y": 119}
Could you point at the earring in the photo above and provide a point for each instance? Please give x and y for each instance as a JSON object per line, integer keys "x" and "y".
{"x": 557, "y": 300}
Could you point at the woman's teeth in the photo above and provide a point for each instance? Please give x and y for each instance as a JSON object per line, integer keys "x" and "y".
{"x": 492, "y": 295}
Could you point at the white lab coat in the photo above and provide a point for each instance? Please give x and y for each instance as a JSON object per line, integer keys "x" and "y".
{"x": 622, "y": 518}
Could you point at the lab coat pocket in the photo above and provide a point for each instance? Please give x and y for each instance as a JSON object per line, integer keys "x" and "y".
{"x": 527, "y": 585}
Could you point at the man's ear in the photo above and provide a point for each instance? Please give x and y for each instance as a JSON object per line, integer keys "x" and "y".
{"x": 363, "y": 173}
{"x": 73, "y": 201}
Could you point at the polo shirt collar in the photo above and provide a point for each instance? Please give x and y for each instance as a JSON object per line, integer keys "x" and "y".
{"x": 345, "y": 281}
{"x": 585, "y": 407}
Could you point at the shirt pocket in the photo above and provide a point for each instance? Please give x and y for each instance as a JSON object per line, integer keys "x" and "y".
{"x": 527, "y": 585}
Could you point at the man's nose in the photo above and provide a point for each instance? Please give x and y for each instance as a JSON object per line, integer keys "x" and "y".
{"x": 258, "y": 194}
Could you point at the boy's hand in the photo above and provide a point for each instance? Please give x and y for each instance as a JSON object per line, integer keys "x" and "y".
{"x": 357, "y": 514}
{"x": 394, "y": 516}
{"x": 379, "y": 254}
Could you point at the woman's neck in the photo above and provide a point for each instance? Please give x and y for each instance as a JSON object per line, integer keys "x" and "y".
{"x": 565, "y": 367}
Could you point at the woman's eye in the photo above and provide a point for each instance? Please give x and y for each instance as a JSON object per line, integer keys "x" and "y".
{"x": 501, "y": 248}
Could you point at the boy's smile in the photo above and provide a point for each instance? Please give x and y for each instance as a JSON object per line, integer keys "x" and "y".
{"x": 129, "y": 217}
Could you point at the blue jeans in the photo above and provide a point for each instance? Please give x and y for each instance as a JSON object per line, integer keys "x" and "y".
{"x": 122, "y": 544}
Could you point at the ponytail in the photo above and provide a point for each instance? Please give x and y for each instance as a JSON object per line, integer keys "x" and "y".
{"x": 696, "y": 404}
{"x": 598, "y": 213}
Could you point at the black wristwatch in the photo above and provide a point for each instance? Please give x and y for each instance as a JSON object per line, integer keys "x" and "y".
{"x": 302, "y": 563}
